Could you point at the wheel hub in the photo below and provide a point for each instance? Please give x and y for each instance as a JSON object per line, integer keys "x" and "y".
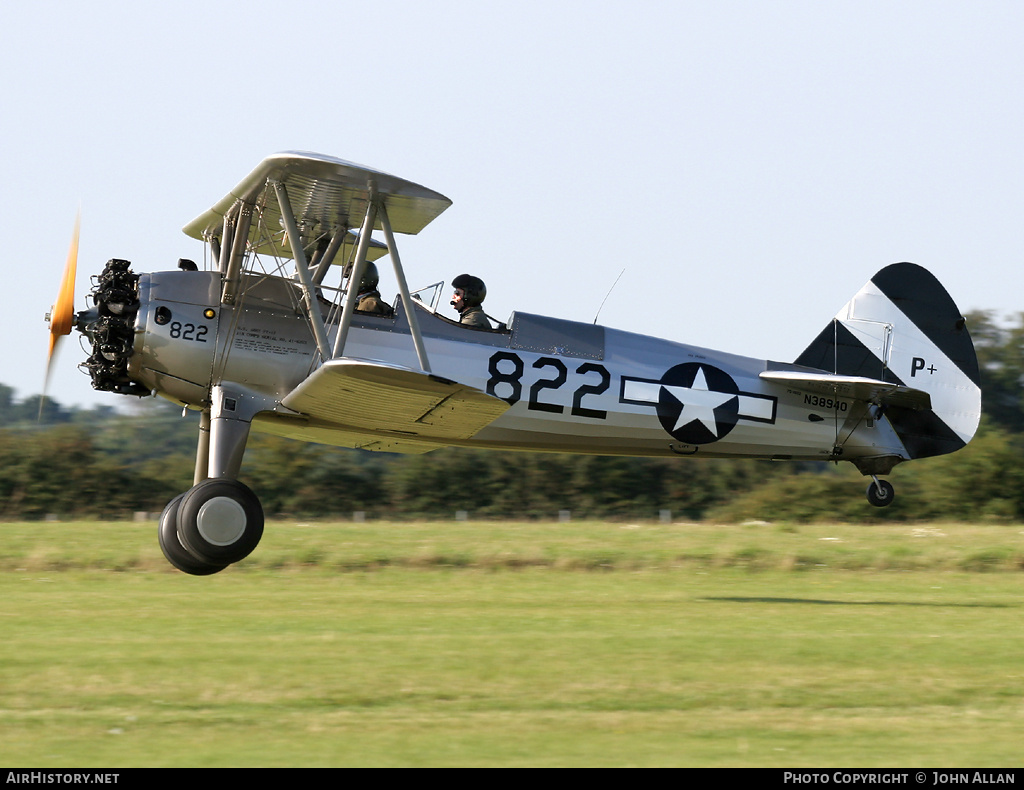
{"x": 221, "y": 521}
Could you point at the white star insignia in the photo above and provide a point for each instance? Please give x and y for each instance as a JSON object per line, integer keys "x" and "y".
{"x": 698, "y": 403}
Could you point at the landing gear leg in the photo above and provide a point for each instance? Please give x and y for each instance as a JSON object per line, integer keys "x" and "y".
{"x": 880, "y": 492}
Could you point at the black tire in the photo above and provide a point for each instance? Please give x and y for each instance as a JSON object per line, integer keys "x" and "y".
{"x": 220, "y": 521}
{"x": 881, "y": 498}
{"x": 170, "y": 545}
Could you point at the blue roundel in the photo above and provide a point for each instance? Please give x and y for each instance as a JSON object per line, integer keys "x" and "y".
{"x": 698, "y": 403}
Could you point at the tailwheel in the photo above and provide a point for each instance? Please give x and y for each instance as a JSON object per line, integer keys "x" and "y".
{"x": 220, "y": 521}
{"x": 881, "y": 492}
{"x": 170, "y": 544}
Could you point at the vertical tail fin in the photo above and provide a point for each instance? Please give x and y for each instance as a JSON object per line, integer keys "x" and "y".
{"x": 903, "y": 327}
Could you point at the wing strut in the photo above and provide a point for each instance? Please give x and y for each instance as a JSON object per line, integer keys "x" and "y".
{"x": 358, "y": 267}
{"x": 403, "y": 287}
{"x": 224, "y": 247}
{"x": 337, "y": 238}
{"x": 299, "y": 256}
{"x": 236, "y": 251}
{"x": 377, "y": 210}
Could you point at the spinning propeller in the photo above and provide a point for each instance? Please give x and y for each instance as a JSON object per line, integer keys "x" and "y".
{"x": 62, "y": 314}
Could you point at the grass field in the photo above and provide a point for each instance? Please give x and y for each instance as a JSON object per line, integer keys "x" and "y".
{"x": 517, "y": 644}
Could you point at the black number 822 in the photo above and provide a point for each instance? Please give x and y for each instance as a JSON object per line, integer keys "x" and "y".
{"x": 189, "y": 331}
{"x": 507, "y": 369}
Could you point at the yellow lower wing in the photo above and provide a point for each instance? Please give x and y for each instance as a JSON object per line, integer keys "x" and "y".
{"x": 374, "y": 405}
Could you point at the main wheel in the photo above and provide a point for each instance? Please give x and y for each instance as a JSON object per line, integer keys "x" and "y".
{"x": 170, "y": 545}
{"x": 881, "y": 493}
{"x": 220, "y": 521}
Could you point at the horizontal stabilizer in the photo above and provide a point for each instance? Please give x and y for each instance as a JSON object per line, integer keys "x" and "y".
{"x": 856, "y": 387}
{"x": 361, "y": 396}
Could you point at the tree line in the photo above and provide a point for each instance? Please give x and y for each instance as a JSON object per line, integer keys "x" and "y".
{"x": 104, "y": 462}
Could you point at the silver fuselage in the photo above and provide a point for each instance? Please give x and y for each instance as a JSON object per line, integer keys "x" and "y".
{"x": 573, "y": 387}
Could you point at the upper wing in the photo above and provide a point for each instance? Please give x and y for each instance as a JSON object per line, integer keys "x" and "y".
{"x": 325, "y": 193}
{"x": 857, "y": 387}
{"x": 392, "y": 402}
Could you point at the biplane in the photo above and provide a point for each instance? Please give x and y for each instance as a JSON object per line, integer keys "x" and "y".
{"x": 266, "y": 335}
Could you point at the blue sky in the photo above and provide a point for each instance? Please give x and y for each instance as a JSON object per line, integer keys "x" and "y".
{"x": 749, "y": 165}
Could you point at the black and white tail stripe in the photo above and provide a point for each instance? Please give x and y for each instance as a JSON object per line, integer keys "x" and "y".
{"x": 903, "y": 327}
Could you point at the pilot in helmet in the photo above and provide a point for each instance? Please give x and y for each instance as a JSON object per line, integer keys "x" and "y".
{"x": 468, "y": 300}
{"x": 368, "y": 297}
